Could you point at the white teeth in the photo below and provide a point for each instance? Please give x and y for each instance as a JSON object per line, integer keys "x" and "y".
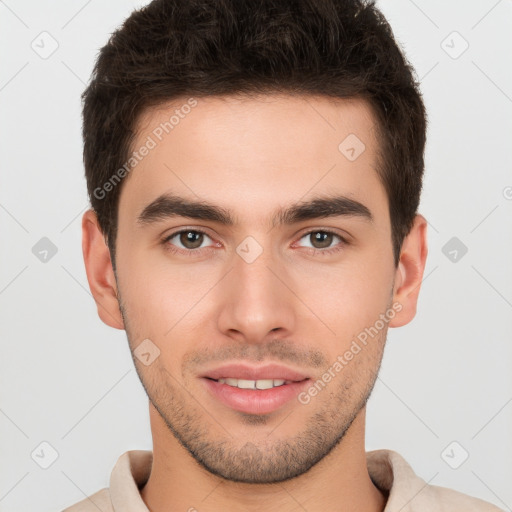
{"x": 266, "y": 384}
{"x": 253, "y": 384}
{"x": 246, "y": 384}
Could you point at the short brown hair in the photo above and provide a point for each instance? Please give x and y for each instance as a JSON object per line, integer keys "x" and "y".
{"x": 176, "y": 48}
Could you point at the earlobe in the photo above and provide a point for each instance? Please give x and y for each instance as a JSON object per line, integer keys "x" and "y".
{"x": 100, "y": 273}
{"x": 409, "y": 272}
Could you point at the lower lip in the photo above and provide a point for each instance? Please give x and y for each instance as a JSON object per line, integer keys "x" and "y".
{"x": 255, "y": 401}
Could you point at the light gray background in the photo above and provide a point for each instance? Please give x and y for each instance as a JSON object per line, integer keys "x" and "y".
{"x": 68, "y": 380}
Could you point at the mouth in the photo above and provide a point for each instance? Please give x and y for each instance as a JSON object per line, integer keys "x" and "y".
{"x": 254, "y": 390}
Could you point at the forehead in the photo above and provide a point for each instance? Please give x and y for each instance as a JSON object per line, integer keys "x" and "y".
{"x": 259, "y": 151}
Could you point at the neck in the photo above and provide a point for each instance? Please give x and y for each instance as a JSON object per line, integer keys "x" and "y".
{"x": 340, "y": 481}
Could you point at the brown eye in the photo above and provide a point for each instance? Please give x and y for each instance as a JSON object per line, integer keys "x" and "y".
{"x": 187, "y": 239}
{"x": 191, "y": 239}
{"x": 321, "y": 239}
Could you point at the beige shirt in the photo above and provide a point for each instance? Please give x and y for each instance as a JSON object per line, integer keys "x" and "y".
{"x": 388, "y": 470}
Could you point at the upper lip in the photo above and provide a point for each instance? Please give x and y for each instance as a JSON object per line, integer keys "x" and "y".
{"x": 247, "y": 372}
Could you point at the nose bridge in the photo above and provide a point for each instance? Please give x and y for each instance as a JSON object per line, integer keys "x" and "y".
{"x": 255, "y": 301}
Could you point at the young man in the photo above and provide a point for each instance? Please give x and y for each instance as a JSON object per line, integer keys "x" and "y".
{"x": 254, "y": 170}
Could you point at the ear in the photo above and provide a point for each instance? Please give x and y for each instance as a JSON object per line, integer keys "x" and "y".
{"x": 409, "y": 272}
{"x": 100, "y": 273}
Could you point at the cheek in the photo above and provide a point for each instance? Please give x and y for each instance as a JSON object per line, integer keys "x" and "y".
{"x": 347, "y": 296}
{"x": 164, "y": 302}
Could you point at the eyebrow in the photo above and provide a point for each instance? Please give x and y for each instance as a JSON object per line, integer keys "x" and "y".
{"x": 168, "y": 206}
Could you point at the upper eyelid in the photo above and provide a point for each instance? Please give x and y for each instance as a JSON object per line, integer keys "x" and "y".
{"x": 322, "y": 230}
{"x": 186, "y": 230}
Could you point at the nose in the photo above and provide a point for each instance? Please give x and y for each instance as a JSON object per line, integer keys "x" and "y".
{"x": 256, "y": 302}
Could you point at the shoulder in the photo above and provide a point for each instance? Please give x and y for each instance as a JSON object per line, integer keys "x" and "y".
{"x": 408, "y": 492}
{"x": 455, "y": 501}
{"x": 130, "y": 473}
{"x": 98, "y": 501}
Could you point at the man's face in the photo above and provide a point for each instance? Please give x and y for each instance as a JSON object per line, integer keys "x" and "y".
{"x": 256, "y": 292}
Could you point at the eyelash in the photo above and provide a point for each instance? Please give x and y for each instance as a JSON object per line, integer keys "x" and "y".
{"x": 193, "y": 252}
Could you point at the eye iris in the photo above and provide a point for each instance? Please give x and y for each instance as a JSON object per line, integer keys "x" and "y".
{"x": 325, "y": 239}
{"x": 191, "y": 239}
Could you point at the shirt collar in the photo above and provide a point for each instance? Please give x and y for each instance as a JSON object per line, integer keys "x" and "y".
{"x": 388, "y": 470}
